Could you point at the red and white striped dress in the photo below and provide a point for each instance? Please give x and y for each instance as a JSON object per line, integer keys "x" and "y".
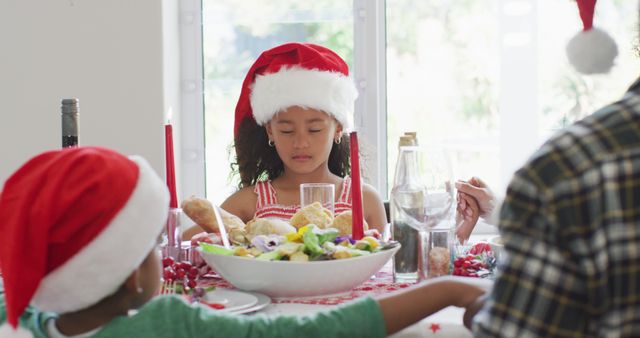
{"x": 268, "y": 207}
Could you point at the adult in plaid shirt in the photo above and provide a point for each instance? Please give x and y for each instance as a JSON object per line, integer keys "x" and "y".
{"x": 571, "y": 227}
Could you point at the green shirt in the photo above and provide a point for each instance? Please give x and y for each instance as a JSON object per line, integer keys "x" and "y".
{"x": 571, "y": 228}
{"x": 172, "y": 317}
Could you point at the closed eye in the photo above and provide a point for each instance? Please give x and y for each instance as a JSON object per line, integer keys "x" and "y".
{"x": 315, "y": 130}
{"x": 286, "y": 131}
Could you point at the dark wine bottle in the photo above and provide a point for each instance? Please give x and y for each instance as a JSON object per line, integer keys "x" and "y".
{"x": 69, "y": 122}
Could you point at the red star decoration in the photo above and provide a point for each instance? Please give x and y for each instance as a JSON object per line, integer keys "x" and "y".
{"x": 434, "y": 327}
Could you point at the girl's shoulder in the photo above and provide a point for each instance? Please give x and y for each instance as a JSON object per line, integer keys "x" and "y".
{"x": 243, "y": 193}
{"x": 369, "y": 193}
{"x": 242, "y": 203}
{"x": 366, "y": 187}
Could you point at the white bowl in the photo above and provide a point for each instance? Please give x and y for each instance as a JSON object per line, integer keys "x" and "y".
{"x": 283, "y": 279}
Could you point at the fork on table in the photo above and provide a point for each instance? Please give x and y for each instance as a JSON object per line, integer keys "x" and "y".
{"x": 168, "y": 287}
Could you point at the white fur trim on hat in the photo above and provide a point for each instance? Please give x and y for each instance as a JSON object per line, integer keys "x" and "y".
{"x": 98, "y": 269}
{"x": 7, "y": 330}
{"x": 331, "y": 92}
{"x": 592, "y": 51}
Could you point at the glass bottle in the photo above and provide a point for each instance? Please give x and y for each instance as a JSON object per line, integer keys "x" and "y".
{"x": 69, "y": 112}
{"x": 407, "y": 206}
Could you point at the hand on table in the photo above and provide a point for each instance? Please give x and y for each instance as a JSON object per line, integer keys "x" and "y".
{"x": 205, "y": 237}
{"x": 410, "y": 305}
{"x": 472, "y": 309}
{"x": 373, "y": 233}
{"x": 472, "y": 297}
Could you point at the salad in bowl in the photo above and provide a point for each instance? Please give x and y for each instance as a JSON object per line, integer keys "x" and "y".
{"x": 309, "y": 262}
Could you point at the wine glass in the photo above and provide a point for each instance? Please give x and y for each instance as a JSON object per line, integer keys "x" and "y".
{"x": 437, "y": 176}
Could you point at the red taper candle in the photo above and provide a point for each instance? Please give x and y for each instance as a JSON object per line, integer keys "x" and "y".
{"x": 357, "y": 219}
{"x": 170, "y": 165}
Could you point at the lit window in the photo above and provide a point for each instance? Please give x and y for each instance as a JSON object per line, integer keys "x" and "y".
{"x": 234, "y": 34}
{"x": 487, "y": 78}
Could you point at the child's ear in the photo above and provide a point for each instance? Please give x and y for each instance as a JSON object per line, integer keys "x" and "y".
{"x": 132, "y": 283}
{"x": 339, "y": 130}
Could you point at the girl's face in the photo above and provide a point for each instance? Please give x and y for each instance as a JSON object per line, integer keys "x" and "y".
{"x": 303, "y": 138}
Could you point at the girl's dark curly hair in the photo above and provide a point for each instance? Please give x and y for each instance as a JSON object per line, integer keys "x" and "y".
{"x": 256, "y": 160}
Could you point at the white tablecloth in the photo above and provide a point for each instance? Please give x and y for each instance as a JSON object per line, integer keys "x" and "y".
{"x": 446, "y": 323}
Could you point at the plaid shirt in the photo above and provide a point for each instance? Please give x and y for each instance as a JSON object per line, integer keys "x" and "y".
{"x": 571, "y": 227}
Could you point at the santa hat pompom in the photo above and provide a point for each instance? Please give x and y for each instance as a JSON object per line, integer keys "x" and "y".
{"x": 591, "y": 51}
{"x": 7, "y": 331}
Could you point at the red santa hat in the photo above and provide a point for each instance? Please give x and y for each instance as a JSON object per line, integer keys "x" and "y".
{"x": 75, "y": 224}
{"x": 592, "y": 51}
{"x": 296, "y": 74}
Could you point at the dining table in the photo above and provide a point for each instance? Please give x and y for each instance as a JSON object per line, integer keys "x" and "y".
{"x": 445, "y": 323}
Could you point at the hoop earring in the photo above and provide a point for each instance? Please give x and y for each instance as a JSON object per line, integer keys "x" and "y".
{"x": 270, "y": 143}
{"x": 338, "y": 140}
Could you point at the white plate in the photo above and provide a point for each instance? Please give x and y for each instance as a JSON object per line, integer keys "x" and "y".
{"x": 263, "y": 301}
{"x": 232, "y": 300}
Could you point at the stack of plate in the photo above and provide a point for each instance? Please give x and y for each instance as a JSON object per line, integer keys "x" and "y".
{"x": 235, "y": 301}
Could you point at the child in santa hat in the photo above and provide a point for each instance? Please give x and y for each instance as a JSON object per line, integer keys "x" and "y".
{"x": 77, "y": 253}
{"x": 296, "y": 102}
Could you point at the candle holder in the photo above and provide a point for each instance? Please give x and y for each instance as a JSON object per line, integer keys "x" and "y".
{"x": 171, "y": 240}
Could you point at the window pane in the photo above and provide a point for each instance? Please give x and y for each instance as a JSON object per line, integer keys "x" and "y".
{"x": 235, "y": 32}
{"x": 442, "y": 74}
{"x": 565, "y": 94}
{"x": 444, "y": 66}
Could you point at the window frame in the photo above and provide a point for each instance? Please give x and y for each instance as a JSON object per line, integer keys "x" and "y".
{"x": 370, "y": 119}
{"x": 192, "y": 166}
{"x": 518, "y": 103}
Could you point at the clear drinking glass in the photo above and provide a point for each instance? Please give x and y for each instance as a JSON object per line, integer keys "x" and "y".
{"x": 438, "y": 228}
{"x": 171, "y": 240}
{"x": 318, "y": 192}
{"x": 438, "y": 252}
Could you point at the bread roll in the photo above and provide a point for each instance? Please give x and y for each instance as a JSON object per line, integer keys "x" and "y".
{"x": 268, "y": 226}
{"x": 312, "y": 214}
{"x": 342, "y": 222}
{"x": 201, "y": 212}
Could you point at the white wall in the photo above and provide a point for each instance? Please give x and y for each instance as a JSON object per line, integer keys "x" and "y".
{"x": 109, "y": 54}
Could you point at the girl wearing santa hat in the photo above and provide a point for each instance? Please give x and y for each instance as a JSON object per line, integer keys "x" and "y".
{"x": 77, "y": 253}
{"x": 296, "y": 102}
